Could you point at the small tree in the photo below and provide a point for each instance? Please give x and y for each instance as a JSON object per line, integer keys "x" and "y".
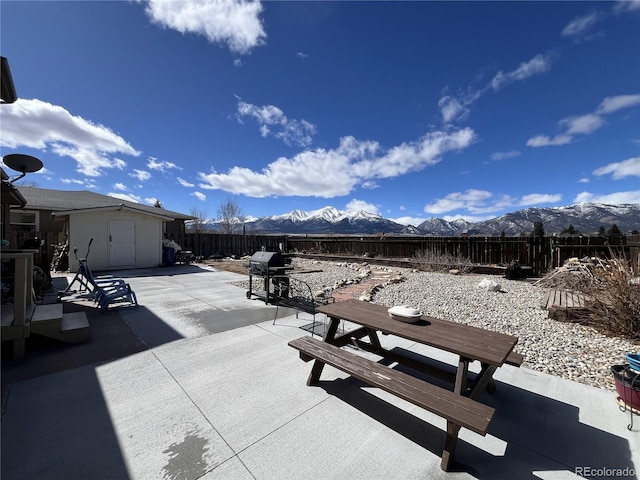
{"x": 230, "y": 216}
{"x": 157, "y": 204}
{"x": 615, "y": 235}
{"x": 601, "y": 231}
{"x": 538, "y": 229}
{"x": 614, "y": 231}
{"x": 570, "y": 230}
{"x": 199, "y": 221}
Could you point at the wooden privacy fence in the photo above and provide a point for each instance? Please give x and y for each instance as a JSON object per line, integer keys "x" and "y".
{"x": 540, "y": 253}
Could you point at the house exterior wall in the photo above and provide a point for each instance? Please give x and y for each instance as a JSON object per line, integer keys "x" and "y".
{"x": 85, "y": 226}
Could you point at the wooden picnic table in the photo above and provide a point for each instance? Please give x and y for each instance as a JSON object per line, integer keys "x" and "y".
{"x": 459, "y": 406}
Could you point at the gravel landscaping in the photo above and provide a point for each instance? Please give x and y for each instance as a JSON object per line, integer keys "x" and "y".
{"x": 569, "y": 350}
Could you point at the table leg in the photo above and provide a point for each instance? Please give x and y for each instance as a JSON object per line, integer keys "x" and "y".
{"x": 452, "y": 429}
{"x": 373, "y": 337}
{"x": 461, "y": 376}
{"x": 318, "y": 366}
{"x": 482, "y": 381}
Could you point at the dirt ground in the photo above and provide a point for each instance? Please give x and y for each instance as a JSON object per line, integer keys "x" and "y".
{"x": 235, "y": 266}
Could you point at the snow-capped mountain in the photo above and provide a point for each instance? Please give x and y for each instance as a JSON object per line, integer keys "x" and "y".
{"x": 326, "y": 220}
{"x": 439, "y": 227}
{"x": 584, "y": 217}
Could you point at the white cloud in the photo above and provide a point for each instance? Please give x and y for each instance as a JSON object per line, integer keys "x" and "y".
{"x": 483, "y": 201}
{"x": 618, "y": 170}
{"x": 356, "y": 205}
{"x": 120, "y": 186}
{"x": 537, "y": 65}
{"x": 126, "y": 196}
{"x": 151, "y": 200}
{"x": 613, "y": 104}
{"x": 622, "y": 6}
{"x": 538, "y": 198}
{"x": 330, "y": 173}
{"x": 458, "y": 200}
{"x": 301, "y": 55}
{"x": 141, "y": 175}
{"x": 415, "y": 221}
{"x": 235, "y": 23}
{"x": 543, "y": 140}
{"x": 200, "y": 196}
{"x": 585, "y": 124}
{"x": 184, "y": 183}
{"x": 505, "y": 155}
{"x": 616, "y": 198}
{"x": 457, "y": 108}
{"x": 273, "y": 121}
{"x": 584, "y": 180}
{"x": 163, "y": 166}
{"x": 580, "y": 25}
{"x": 41, "y": 125}
{"x": 370, "y": 184}
{"x": 452, "y": 110}
{"x": 412, "y": 156}
{"x": 72, "y": 180}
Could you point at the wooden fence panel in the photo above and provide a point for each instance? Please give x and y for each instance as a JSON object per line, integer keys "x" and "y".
{"x": 539, "y": 253}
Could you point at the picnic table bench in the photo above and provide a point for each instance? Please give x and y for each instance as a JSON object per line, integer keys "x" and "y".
{"x": 458, "y": 406}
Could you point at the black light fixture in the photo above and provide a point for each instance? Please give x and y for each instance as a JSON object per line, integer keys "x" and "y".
{"x": 7, "y": 89}
{"x": 22, "y": 163}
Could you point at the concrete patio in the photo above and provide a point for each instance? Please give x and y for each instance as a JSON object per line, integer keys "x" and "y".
{"x": 196, "y": 383}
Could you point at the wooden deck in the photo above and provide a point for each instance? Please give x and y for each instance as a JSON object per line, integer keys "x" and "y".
{"x": 564, "y": 305}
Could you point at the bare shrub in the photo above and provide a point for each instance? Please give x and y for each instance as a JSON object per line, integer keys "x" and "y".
{"x": 427, "y": 261}
{"x": 613, "y": 293}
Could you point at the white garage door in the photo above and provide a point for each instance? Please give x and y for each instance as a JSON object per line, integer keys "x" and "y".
{"x": 122, "y": 245}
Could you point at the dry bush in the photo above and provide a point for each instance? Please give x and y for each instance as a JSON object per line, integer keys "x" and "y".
{"x": 613, "y": 294}
{"x": 427, "y": 261}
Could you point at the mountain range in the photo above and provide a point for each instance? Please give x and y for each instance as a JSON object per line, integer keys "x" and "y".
{"x": 587, "y": 218}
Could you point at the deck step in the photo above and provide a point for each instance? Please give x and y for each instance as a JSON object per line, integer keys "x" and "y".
{"x": 75, "y": 327}
{"x": 50, "y": 321}
{"x": 7, "y": 314}
{"x": 47, "y": 313}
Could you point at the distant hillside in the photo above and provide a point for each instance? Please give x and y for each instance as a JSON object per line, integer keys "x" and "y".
{"x": 584, "y": 217}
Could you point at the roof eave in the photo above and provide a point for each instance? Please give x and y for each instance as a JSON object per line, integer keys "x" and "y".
{"x": 114, "y": 208}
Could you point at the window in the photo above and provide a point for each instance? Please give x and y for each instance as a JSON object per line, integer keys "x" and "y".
{"x": 24, "y": 220}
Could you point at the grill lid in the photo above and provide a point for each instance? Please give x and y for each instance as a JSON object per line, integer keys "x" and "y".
{"x": 261, "y": 261}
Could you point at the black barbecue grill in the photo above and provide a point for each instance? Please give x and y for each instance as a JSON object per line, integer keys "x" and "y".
{"x": 267, "y": 265}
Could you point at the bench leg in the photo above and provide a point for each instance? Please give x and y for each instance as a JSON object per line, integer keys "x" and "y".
{"x": 449, "y": 445}
{"x": 316, "y": 371}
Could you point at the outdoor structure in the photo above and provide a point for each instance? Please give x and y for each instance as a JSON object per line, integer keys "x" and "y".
{"x": 125, "y": 234}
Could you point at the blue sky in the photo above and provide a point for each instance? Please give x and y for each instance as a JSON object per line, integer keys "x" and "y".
{"x": 406, "y": 109}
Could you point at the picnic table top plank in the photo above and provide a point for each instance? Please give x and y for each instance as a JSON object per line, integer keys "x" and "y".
{"x": 465, "y": 340}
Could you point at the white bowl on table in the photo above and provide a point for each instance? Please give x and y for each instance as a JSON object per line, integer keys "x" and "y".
{"x": 404, "y": 313}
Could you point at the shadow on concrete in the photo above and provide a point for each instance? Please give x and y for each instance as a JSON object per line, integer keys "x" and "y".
{"x": 526, "y": 421}
{"x": 33, "y": 426}
{"x": 160, "y": 271}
